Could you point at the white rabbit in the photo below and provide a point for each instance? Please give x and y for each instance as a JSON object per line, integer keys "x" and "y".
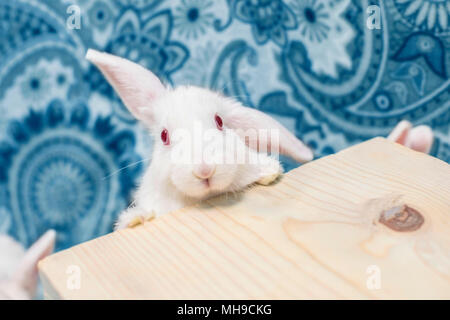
{"x": 168, "y": 185}
{"x": 18, "y": 268}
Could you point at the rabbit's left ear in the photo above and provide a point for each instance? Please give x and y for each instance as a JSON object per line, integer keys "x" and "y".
{"x": 26, "y": 275}
{"x": 245, "y": 119}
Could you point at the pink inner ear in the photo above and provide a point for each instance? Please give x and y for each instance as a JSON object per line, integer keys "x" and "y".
{"x": 136, "y": 86}
{"x": 400, "y": 133}
{"x": 247, "y": 118}
{"x": 419, "y": 138}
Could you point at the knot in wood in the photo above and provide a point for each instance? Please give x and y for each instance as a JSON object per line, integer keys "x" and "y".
{"x": 402, "y": 218}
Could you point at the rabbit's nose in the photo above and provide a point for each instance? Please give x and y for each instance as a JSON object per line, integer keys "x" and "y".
{"x": 204, "y": 171}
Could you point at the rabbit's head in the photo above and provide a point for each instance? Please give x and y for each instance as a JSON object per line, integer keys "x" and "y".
{"x": 201, "y": 138}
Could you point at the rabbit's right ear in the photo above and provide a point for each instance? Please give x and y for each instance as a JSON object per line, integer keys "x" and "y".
{"x": 136, "y": 86}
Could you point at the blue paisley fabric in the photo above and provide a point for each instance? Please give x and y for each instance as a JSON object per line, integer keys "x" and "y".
{"x": 71, "y": 154}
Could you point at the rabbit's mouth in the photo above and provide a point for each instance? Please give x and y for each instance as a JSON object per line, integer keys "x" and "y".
{"x": 195, "y": 186}
{"x": 206, "y": 183}
{"x": 205, "y": 188}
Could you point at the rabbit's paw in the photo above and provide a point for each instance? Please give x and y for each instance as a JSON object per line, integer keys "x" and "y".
{"x": 269, "y": 173}
{"x": 133, "y": 217}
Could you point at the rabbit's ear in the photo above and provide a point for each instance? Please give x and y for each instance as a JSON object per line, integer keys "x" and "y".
{"x": 419, "y": 138}
{"x": 242, "y": 119}
{"x": 400, "y": 133}
{"x": 136, "y": 86}
{"x": 26, "y": 275}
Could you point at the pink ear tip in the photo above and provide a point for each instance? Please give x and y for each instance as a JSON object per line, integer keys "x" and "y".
{"x": 48, "y": 238}
{"x": 421, "y": 138}
{"x": 400, "y": 132}
{"x": 92, "y": 54}
{"x": 308, "y": 155}
{"x": 304, "y": 154}
{"x": 50, "y": 234}
{"x": 426, "y": 130}
{"x": 98, "y": 57}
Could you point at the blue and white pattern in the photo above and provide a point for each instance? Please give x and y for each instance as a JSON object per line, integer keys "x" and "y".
{"x": 56, "y": 171}
{"x": 431, "y": 15}
{"x": 71, "y": 154}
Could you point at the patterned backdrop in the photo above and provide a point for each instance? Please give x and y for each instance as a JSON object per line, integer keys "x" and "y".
{"x": 68, "y": 145}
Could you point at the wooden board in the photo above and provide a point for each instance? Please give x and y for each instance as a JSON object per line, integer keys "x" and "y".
{"x": 372, "y": 221}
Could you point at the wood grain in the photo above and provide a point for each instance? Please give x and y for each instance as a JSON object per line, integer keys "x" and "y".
{"x": 320, "y": 232}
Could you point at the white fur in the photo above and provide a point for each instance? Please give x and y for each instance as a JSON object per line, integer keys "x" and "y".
{"x": 18, "y": 268}
{"x": 11, "y": 252}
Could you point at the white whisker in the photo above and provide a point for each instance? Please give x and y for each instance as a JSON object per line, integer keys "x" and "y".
{"x": 130, "y": 165}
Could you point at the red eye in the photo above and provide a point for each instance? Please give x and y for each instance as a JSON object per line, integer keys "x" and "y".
{"x": 219, "y": 122}
{"x": 165, "y": 137}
